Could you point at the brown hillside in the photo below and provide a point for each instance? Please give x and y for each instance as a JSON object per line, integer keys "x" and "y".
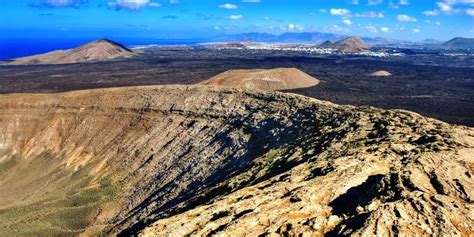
{"x": 352, "y": 44}
{"x": 262, "y": 79}
{"x": 95, "y": 51}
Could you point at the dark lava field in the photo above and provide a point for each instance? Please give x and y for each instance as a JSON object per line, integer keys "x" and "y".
{"x": 436, "y": 86}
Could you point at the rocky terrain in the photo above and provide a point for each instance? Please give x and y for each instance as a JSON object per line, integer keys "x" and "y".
{"x": 263, "y": 79}
{"x": 98, "y": 50}
{"x": 197, "y": 160}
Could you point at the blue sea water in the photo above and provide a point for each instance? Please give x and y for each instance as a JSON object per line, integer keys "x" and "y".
{"x": 13, "y": 48}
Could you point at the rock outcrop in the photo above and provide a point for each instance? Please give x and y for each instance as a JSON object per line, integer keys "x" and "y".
{"x": 263, "y": 79}
{"x": 196, "y": 160}
{"x": 98, "y": 50}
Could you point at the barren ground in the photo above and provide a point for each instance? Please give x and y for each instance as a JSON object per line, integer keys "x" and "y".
{"x": 435, "y": 86}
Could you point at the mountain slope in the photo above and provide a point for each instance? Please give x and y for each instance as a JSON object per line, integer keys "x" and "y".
{"x": 459, "y": 43}
{"x": 262, "y": 79}
{"x": 94, "y": 51}
{"x": 350, "y": 44}
{"x": 198, "y": 160}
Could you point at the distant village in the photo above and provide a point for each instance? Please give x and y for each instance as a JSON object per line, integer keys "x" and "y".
{"x": 306, "y": 49}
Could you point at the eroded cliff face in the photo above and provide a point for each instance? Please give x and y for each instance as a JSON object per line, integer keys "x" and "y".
{"x": 196, "y": 160}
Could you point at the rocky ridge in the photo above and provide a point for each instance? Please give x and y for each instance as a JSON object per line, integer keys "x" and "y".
{"x": 196, "y": 160}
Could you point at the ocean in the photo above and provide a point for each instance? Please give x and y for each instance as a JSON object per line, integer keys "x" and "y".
{"x": 14, "y": 48}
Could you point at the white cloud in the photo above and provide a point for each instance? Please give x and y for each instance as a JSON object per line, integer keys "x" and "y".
{"x": 404, "y": 2}
{"x": 228, "y": 6}
{"x": 154, "y": 4}
{"x": 322, "y": 10}
{"x": 337, "y": 29}
{"x": 293, "y": 27}
{"x": 444, "y": 7}
{"x": 370, "y": 14}
{"x": 470, "y": 11}
{"x": 431, "y": 13}
{"x": 455, "y": 2}
{"x": 355, "y": 2}
{"x": 347, "y": 21}
{"x": 384, "y": 29}
{"x": 340, "y": 12}
{"x": 438, "y": 23}
{"x": 132, "y": 5}
{"x": 371, "y": 29}
{"x": 406, "y": 18}
{"x": 393, "y": 5}
{"x": 374, "y": 2}
{"x": 235, "y": 17}
{"x": 450, "y": 7}
{"x": 416, "y": 30}
{"x": 60, "y": 3}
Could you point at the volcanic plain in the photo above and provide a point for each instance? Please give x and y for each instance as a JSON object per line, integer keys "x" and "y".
{"x": 427, "y": 82}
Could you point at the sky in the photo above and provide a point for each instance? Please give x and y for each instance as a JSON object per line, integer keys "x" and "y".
{"x": 186, "y": 19}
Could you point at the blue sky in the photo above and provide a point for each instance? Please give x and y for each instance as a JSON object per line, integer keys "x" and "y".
{"x": 400, "y": 19}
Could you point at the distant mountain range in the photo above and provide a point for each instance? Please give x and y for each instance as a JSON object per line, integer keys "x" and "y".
{"x": 318, "y": 38}
{"x": 431, "y": 41}
{"x": 105, "y": 49}
{"x": 385, "y": 41}
{"x": 303, "y": 37}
